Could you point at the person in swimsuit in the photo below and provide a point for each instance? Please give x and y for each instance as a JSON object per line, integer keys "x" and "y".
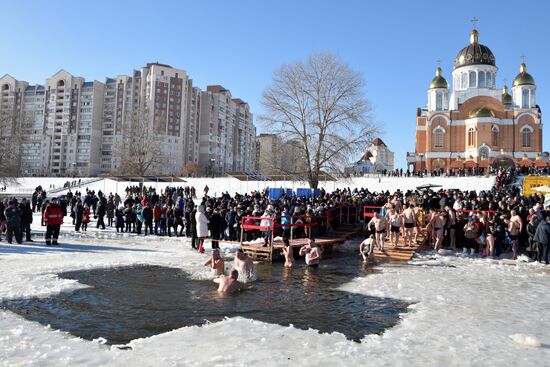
{"x": 287, "y": 253}
{"x": 216, "y": 263}
{"x": 437, "y": 222}
{"x": 230, "y": 283}
{"x": 451, "y": 215}
{"x": 513, "y": 232}
{"x": 379, "y": 223}
{"x": 311, "y": 252}
{"x": 409, "y": 222}
{"x": 396, "y": 222}
{"x": 366, "y": 248}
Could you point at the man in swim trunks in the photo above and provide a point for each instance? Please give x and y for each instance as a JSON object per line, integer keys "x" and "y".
{"x": 513, "y": 232}
{"x": 366, "y": 248}
{"x": 243, "y": 263}
{"x": 409, "y": 222}
{"x": 230, "y": 283}
{"x": 396, "y": 222}
{"x": 216, "y": 263}
{"x": 451, "y": 215}
{"x": 311, "y": 252}
{"x": 437, "y": 222}
{"x": 380, "y": 225}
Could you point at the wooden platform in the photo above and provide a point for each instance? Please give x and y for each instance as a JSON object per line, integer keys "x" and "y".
{"x": 401, "y": 252}
{"x": 258, "y": 252}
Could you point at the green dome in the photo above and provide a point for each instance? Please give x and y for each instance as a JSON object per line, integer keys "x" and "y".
{"x": 439, "y": 81}
{"x": 506, "y": 97}
{"x": 523, "y": 78}
{"x": 482, "y": 112}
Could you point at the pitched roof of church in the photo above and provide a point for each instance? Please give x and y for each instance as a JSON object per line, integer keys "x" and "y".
{"x": 378, "y": 142}
{"x": 365, "y": 157}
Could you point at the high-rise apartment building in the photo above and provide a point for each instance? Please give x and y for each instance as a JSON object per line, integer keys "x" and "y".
{"x": 75, "y": 128}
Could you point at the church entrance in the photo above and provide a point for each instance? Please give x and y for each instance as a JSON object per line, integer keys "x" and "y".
{"x": 503, "y": 162}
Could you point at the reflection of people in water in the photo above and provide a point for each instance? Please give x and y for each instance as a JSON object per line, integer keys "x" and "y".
{"x": 229, "y": 284}
{"x": 311, "y": 252}
{"x": 244, "y": 264}
{"x": 287, "y": 253}
{"x": 216, "y": 263}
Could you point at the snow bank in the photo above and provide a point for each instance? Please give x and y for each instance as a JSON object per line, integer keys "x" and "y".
{"x": 220, "y": 185}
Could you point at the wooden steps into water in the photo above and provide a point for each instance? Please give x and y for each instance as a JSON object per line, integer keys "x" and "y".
{"x": 401, "y": 252}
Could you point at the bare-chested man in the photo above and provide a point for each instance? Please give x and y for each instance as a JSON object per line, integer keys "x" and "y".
{"x": 311, "y": 252}
{"x": 513, "y": 232}
{"x": 230, "y": 283}
{"x": 216, "y": 263}
{"x": 244, "y": 264}
{"x": 396, "y": 222}
{"x": 409, "y": 222}
{"x": 366, "y": 248}
{"x": 397, "y": 204}
{"x": 514, "y": 217}
{"x": 380, "y": 225}
{"x": 437, "y": 223}
{"x": 451, "y": 215}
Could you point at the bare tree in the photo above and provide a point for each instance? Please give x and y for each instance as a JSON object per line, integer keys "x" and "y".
{"x": 191, "y": 169}
{"x": 139, "y": 148}
{"x": 321, "y": 104}
{"x": 10, "y": 146}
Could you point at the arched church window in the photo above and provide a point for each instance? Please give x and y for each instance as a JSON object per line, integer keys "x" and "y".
{"x": 472, "y": 79}
{"x": 471, "y": 136}
{"x": 490, "y": 79}
{"x": 463, "y": 81}
{"x": 526, "y": 136}
{"x": 494, "y": 136}
{"x": 482, "y": 82}
{"x": 439, "y": 101}
{"x": 525, "y": 98}
{"x": 439, "y": 137}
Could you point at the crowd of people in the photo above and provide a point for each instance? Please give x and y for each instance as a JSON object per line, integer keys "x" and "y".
{"x": 487, "y": 223}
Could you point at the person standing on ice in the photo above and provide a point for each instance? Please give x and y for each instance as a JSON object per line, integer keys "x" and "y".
{"x": 542, "y": 238}
{"x": 13, "y": 222}
{"x": 201, "y": 227}
{"x": 53, "y": 218}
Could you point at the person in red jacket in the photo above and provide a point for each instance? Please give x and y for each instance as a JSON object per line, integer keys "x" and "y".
{"x": 85, "y": 217}
{"x": 157, "y": 214}
{"x": 53, "y": 218}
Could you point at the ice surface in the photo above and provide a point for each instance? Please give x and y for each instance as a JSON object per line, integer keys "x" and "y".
{"x": 466, "y": 310}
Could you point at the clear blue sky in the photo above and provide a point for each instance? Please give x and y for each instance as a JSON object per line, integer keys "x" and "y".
{"x": 238, "y": 44}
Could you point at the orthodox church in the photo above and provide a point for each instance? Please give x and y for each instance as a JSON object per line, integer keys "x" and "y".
{"x": 474, "y": 124}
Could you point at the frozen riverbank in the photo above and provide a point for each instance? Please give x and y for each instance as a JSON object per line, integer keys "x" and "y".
{"x": 464, "y": 312}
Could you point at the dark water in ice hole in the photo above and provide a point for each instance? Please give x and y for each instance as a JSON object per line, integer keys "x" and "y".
{"x": 127, "y": 303}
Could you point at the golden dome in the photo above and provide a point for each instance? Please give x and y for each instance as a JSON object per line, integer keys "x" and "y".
{"x": 523, "y": 78}
{"x": 506, "y": 97}
{"x": 439, "y": 81}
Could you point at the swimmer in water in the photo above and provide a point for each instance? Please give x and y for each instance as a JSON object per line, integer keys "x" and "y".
{"x": 230, "y": 283}
{"x": 216, "y": 263}
{"x": 311, "y": 253}
{"x": 287, "y": 253}
{"x": 244, "y": 264}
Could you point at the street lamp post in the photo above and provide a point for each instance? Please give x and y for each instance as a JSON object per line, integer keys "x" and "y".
{"x": 212, "y": 160}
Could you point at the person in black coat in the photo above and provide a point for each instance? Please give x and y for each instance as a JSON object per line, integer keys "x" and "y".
{"x": 119, "y": 220}
{"x": 148, "y": 218}
{"x": 216, "y": 227}
{"x": 100, "y": 213}
{"x": 542, "y": 237}
{"x": 26, "y": 219}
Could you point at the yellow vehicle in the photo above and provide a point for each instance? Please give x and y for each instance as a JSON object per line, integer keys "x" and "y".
{"x": 530, "y": 183}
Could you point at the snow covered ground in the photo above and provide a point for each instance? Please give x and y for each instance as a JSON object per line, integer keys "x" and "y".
{"x": 464, "y": 313}
{"x": 222, "y": 184}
